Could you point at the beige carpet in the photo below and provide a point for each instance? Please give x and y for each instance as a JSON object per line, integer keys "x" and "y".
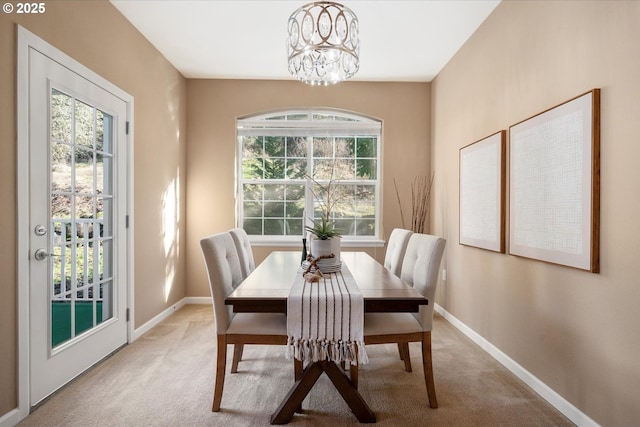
{"x": 166, "y": 377}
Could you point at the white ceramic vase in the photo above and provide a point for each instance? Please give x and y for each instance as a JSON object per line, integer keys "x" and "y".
{"x": 326, "y": 247}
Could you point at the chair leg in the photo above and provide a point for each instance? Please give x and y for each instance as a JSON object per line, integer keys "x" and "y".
{"x": 405, "y": 356}
{"x": 428, "y": 369}
{"x": 237, "y": 357}
{"x": 221, "y": 366}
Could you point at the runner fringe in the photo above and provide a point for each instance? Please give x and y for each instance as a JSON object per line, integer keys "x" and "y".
{"x": 318, "y": 350}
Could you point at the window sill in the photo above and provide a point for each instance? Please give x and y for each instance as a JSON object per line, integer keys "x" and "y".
{"x": 288, "y": 243}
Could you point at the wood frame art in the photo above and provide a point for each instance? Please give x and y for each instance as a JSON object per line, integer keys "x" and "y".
{"x": 482, "y": 193}
{"x": 554, "y": 184}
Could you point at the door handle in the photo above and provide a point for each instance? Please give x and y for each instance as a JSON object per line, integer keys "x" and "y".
{"x": 42, "y": 254}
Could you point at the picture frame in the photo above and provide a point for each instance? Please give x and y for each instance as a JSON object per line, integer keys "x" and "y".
{"x": 482, "y": 193}
{"x": 554, "y": 184}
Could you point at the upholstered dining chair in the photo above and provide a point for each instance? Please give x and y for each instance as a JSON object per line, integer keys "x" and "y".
{"x": 420, "y": 269}
{"x": 223, "y": 268}
{"x": 241, "y": 240}
{"x": 396, "y": 248}
{"x": 247, "y": 265}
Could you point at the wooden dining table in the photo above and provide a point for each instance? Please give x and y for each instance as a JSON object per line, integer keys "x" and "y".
{"x": 267, "y": 288}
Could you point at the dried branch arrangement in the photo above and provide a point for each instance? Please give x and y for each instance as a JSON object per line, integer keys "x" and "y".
{"x": 420, "y": 202}
{"x": 327, "y": 196}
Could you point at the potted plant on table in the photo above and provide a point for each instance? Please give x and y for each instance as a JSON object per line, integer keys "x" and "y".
{"x": 326, "y": 240}
{"x": 325, "y": 236}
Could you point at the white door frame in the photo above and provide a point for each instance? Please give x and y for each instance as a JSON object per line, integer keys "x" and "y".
{"x": 25, "y": 41}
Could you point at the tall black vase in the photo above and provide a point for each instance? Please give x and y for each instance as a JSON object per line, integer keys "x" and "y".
{"x": 304, "y": 250}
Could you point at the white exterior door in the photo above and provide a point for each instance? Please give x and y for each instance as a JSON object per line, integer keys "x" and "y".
{"x": 77, "y": 222}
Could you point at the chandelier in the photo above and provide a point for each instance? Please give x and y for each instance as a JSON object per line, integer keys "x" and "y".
{"x": 323, "y": 44}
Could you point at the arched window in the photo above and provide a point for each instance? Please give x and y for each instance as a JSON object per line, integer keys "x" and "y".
{"x": 284, "y": 157}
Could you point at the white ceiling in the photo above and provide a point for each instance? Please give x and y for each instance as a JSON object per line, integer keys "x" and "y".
{"x": 399, "y": 40}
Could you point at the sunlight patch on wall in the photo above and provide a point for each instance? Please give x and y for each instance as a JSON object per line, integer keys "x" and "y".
{"x": 170, "y": 231}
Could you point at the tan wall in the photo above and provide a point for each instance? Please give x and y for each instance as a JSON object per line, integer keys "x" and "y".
{"x": 97, "y": 35}
{"x": 575, "y": 331}
{"x": 214, "y": 105}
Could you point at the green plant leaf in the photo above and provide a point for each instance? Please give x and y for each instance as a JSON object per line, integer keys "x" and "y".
{"x": 323, "y": 229}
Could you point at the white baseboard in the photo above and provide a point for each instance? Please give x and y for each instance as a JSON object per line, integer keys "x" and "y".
{"x": 157, "y": 319}
{"x": 10, "y": 419}
{"x": 197, "y": 300}
{"x": 166, "y": 313}
{"x": 561, "y": 404}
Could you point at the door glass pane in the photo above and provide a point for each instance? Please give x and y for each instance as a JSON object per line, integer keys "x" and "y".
{"x": 60, "y": 167}
{"x": 83, "y": 167}
{"x": 81, "y": 217}
{"x": 61, "y": 117}
{"x": 85, "y": 121}
{"x": 100, "y": 130}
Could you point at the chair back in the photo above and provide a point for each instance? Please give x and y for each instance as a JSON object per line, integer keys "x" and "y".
{"x": 420, "y": 269}
{"x": 396, "y": 248}
{"x": 223, "y": 268}
{"x": 243, "y": 246}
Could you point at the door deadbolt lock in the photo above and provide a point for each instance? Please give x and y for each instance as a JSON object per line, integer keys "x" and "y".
{"x": 40, "y": 230}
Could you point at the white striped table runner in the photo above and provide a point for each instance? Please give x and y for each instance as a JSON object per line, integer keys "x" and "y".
{"x": 325, "y": 320}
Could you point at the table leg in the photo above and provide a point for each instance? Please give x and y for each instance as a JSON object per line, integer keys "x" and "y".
{"x": 302, "y": 386}
{"x": 349, "y": 393}
{"x": 298, "y": 368}
{"x": 296, "y": 394}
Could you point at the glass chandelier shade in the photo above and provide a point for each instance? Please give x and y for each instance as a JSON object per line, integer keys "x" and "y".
{"x": 323, "y": 45}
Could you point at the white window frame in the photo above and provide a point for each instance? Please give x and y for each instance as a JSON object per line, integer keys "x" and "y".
{"x": 353, "y": 125}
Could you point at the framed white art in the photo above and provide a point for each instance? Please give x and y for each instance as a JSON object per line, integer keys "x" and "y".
{"x": 554, "y": 184}
{"x": 482, "y": 193}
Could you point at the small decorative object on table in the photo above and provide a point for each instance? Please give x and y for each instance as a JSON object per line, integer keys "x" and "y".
{"x": 313, "y": 270}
